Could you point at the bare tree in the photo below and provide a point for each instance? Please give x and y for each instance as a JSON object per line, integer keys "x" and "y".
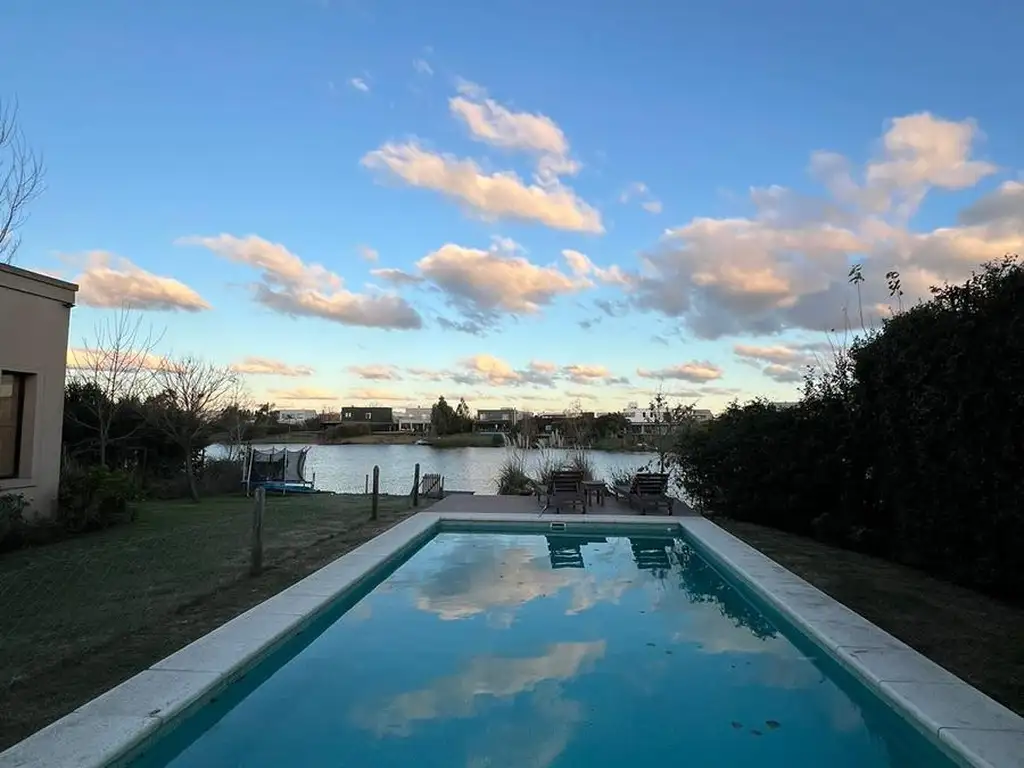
{"x": 192, "y": 395}
{"x": 667, "y": 421}
{"x": 237, "y": 416}
{"x": 21, "y": 180}
{"x": 115, "y": 364}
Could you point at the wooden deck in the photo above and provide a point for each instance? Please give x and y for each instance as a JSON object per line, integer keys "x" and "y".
{"x": 464, "y": 502}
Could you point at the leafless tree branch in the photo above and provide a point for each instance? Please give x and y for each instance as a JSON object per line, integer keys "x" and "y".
{"x": 21, "y": 180}
{"x": 116, "y": 363}
{"x": 194, "y": 394}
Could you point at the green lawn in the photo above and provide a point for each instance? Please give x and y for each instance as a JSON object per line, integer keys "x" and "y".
{"x": 78, "y": 616}
{"x": 974, "y": 636}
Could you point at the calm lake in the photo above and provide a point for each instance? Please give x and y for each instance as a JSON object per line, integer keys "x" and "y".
{"x": 343, "y": 468}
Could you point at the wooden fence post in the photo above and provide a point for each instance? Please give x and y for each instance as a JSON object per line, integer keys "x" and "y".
{"x": 256, "y": 556}
{"x": 416, "y": 486}
{"x": 366, "y": 485}
{"x": 376, "y": 492}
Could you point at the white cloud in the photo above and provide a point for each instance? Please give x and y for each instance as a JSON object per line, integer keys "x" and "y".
{"x": 697, "y": 371}
{"x": 109, "y": 281}
{"x": 290, "y": 286}
{"x": 591, "y": 374}
{"x": 785, "y": 363}
{"x": 782, "y": 354}
{"x": 88, "y": 359}
{"x": 368, "y": 254}
{"x": 639, "y": 191}
{"x": 396, "y": 276}
{"x": 483, "y": 678}
{"x": 378, "y": 395}
{"x": 359, "y": 84}
{"x": 786, "y": 267}
{"x": 581, "y": 266}
{"x": 497, "y": 125}
{"x": 492, "y": 196}
{"x": 422, "y": 67}
{"x": 303, "y": 394}
{"x": 486, "y": 369}
{"x": 782, "y": 373}
{"x": 265, "y": 366}
{"x": 375, "y": 372}
{"x": 484, "y": 283}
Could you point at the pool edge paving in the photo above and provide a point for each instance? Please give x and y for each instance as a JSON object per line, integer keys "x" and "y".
{"x": 962, "y": 721}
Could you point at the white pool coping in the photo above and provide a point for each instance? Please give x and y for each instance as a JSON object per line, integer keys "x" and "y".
{"x": 964, "y": 722}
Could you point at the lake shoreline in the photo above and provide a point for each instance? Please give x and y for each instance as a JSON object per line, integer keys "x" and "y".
{"x": 473, "y": 440}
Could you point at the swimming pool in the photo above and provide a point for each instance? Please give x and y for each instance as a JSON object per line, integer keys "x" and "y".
{"x": 506, "y": 642}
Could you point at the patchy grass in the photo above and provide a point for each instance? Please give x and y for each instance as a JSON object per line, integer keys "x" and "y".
{"x": 82, "y": 615}
{"x": 975, "y": 637}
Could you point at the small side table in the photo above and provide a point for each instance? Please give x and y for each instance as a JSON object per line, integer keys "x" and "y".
{"x": 595, "y": 488}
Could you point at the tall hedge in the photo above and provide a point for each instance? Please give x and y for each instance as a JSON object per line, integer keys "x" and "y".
{"x": 912, "y": 447}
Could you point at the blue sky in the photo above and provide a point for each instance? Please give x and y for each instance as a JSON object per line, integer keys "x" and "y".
{"x": 530, "y": 203}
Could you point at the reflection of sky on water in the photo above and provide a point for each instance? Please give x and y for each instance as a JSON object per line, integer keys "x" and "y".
{"x": 490, "y": 651}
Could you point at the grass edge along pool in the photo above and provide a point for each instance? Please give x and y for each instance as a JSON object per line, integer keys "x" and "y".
{"x": 374, "y": 561}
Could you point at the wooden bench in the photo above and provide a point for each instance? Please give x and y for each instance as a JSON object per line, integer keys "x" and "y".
{"x": 432, "y": 486}
{"x": 648, "y": 490}
{"x": 566, "y": 487}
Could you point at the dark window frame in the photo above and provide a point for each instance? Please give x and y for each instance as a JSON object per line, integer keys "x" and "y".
{"x": 20, "y": 381}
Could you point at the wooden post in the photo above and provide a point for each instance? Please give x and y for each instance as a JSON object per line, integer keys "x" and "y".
{"x": 256, "y": 558}
{"x": 416, "y": 486}
{"x": 366, "y": 486}
{"x": 376, "y": 492}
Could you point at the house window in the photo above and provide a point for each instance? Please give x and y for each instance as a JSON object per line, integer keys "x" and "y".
{"x": 369, "y": 416}
{"x": 348, "y": 414}
{"x": 12, "y": 411}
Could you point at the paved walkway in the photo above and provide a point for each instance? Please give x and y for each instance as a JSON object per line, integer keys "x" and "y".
{"x": 464, "y": 502}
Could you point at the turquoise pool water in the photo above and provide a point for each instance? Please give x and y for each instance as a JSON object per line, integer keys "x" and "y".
{"x": 531, "y": 651}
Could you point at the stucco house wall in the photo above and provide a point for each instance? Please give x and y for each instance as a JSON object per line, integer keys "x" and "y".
{"x": 35, "y": 311}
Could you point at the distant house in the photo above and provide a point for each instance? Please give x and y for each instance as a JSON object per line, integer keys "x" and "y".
{"x": 496, "y": 419}
{"x": 295, "y": 416}
{"x": 551, "y": 422}
{"x": 413, "y": 420}
{"x": 648, "y": 421}
{"x": 378, "y": 418}
{"x": 34, "y": 314}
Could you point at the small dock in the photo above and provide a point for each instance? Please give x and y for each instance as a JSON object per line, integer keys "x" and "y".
{"x": 526, "y": 505}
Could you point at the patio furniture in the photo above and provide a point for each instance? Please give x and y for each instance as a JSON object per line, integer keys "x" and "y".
{"x": 432, "y": 486}
{"x": 566, "y": 488}
{"x": 595, "y": 489}
{"x": 648, "y": 491}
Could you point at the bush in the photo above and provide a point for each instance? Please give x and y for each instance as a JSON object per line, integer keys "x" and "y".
{"x": 214, "y": 477}
{"x": 12, "y": 518}
{"x": 513, "y": 479}
{"x": 346, "y": 431}
{"x": 94, "y": 497}
{"x": 908, "y": 447}
{"x": 579, "y": 461}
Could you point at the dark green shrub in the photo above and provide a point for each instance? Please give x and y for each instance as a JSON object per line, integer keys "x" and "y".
{"x": 94, "y": 497}
{"x": 219, "y": 476}
{"x": 346, "y": 431}
{"x": 908, "y": 447}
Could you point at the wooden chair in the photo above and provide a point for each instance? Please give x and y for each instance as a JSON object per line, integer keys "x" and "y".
{"x": 432, "y": 486}
{"x": 648, "y": 490}
{"x": 566, "y": 487}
